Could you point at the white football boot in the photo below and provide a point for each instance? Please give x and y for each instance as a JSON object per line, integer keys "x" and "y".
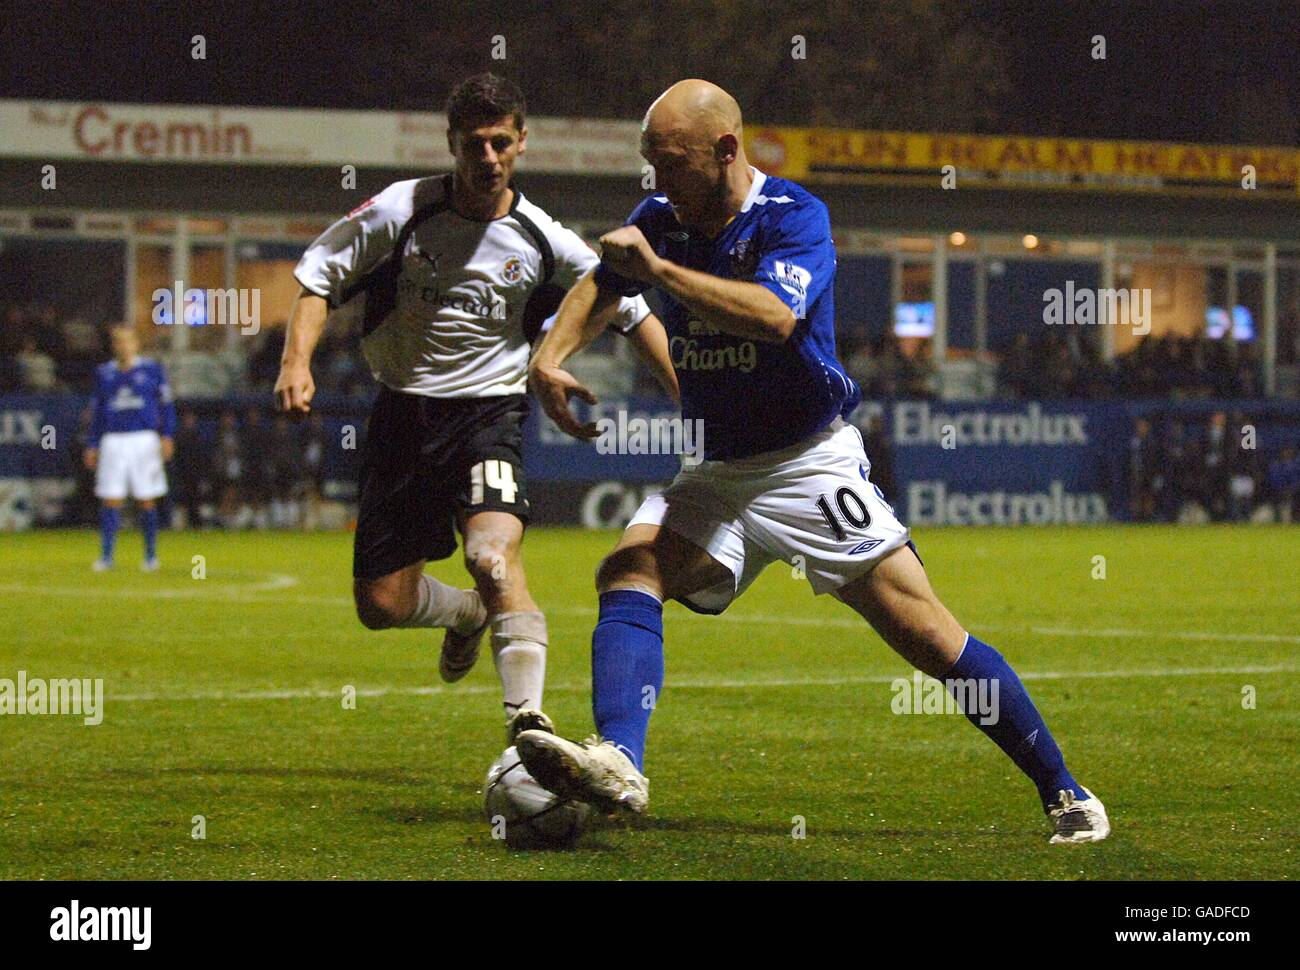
{"x": 460, "y": 650}
{"x": 102, "y": 565}
{"x": 589, "y": 771}
{"x": 527, "y": 719}
{"x": 1078, "y": 821}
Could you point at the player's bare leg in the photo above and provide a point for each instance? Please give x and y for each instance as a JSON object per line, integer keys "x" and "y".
{"x": 388, "y": 601}
{"x": 493, "y": 542}
{"x": 660, "y": 562}
{"x": 407, "y": 598}
{"x": 898, "y": 602}
{"x": 648, "y": 564}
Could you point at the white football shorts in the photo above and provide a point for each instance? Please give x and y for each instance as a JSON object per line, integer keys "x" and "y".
{"x": 811, "y": 505}
{"x": 130, "y": 465}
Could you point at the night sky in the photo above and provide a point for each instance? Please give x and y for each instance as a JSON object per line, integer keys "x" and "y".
{"x": 1177, "y": 71}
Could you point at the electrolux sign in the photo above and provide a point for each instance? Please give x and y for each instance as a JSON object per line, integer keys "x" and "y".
{"x": 955, "y": 464}
{"x": 989, "y": 463}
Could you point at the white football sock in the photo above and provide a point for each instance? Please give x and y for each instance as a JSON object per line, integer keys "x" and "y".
{"x": 438, "y": 604}
{"x": 519, "y": 650}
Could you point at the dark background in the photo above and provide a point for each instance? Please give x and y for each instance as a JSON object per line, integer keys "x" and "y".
{"x": 1176, "y": 71}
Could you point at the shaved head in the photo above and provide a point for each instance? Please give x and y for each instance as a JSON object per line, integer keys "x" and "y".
{"x": 692, "y": 136}
{"x": 699, "y": 110}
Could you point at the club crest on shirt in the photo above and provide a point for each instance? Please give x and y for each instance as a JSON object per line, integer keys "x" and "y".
{"x": 744, "y": 260}
{"x": 513, "y": 271}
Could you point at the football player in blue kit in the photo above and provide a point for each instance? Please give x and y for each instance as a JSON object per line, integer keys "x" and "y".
{"x": 745, "y": 265}
{"x": 130, "y": 437}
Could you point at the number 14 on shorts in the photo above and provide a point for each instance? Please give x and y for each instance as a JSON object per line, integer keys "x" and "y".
{"x": 495, "y": 474}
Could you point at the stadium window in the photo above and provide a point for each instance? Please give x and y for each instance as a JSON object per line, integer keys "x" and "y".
{"x": 1014, "y": 297}
{"x": 267, "y": 267}
{"x": 1288, "y": 313}
{"x": 59, "y": 294}
{"x": 862, "y": 298}
{"x": 961, "y": 304}
{"x": 208, "y": 272}
{"x": 54, "y": 223}
{"x": 206, "y": 227}
{"x": 156, "y": 225}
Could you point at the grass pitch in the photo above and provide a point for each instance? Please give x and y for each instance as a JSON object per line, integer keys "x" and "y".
{"x": 224, "y": 700}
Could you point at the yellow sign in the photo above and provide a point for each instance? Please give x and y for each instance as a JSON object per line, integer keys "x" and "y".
{"x": 833, "y": 155}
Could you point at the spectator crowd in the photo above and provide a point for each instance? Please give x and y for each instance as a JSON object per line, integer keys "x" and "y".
{"x": 1168, "y": 366}
{"x": 1181, "y": 470}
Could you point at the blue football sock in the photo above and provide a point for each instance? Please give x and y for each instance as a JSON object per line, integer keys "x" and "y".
{"x": 627, "y": 668}
{"x": 1019, "y": 730}
{"x": 149, "y": 525}
{"x": 108, "y": 522}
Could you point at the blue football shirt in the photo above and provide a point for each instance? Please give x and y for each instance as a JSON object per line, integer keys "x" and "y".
{"x": 753, "y": 396}
{"x": 136, "y": 399}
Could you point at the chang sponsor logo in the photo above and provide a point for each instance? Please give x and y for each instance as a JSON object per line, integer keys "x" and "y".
{"x": 687, "y": 354}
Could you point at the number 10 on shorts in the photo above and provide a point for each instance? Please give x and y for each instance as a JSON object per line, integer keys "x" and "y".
{"x": 493, "y": 473}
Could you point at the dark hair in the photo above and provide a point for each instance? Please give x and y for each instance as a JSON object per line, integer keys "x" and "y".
{"x": 484, "y": 97}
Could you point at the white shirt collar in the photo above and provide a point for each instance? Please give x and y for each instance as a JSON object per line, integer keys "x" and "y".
{"x": 754, "y": 189}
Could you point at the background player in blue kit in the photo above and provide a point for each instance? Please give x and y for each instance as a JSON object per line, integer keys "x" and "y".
{"x": 745, "y": 265}
{"x": 130, "y": 438}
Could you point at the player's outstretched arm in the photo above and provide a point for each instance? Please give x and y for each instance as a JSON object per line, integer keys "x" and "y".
{"x": 650, "y": 340}
{"x": 295, "y": 388}
{"x": 582, "y": 317}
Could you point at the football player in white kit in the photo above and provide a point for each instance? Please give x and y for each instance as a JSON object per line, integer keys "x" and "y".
{"x": 457, "y": 274}
{"x": 131, "y": 433}
{"x": 745, "y": 265}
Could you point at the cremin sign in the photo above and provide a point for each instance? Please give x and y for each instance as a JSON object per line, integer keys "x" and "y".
{"x": 892, "y": 157}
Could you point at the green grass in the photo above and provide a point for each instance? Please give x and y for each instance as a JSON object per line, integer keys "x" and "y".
{"x": 777, "y": 709}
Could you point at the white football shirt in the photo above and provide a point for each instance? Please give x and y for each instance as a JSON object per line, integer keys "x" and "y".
{"x": 457, "y": 327}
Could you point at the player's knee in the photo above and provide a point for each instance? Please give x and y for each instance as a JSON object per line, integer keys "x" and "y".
{"x": 934, "y": 631}
{"x": 379, "y": 606}
{"x": 490, "y": 559}
{"x": 630, "y": 564}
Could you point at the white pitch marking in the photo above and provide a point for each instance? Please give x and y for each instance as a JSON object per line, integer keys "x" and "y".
{"x": 311, "y": 693}
{"x": 275, "y": 582}
{"x": 280, "y": 581}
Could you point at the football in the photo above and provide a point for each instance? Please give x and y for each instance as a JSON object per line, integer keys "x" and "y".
{"x": 526, "y": 814}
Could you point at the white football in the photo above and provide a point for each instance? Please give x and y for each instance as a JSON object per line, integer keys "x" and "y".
{"x": 525, "y": 813}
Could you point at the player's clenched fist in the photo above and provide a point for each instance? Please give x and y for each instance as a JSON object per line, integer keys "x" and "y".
{"x": 627, "y": 253}
{"x": 294, "y": 388}
{"x": 553, "y": 386}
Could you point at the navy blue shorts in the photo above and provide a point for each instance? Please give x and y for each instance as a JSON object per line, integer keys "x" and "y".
{"x": 428, "y": 462}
